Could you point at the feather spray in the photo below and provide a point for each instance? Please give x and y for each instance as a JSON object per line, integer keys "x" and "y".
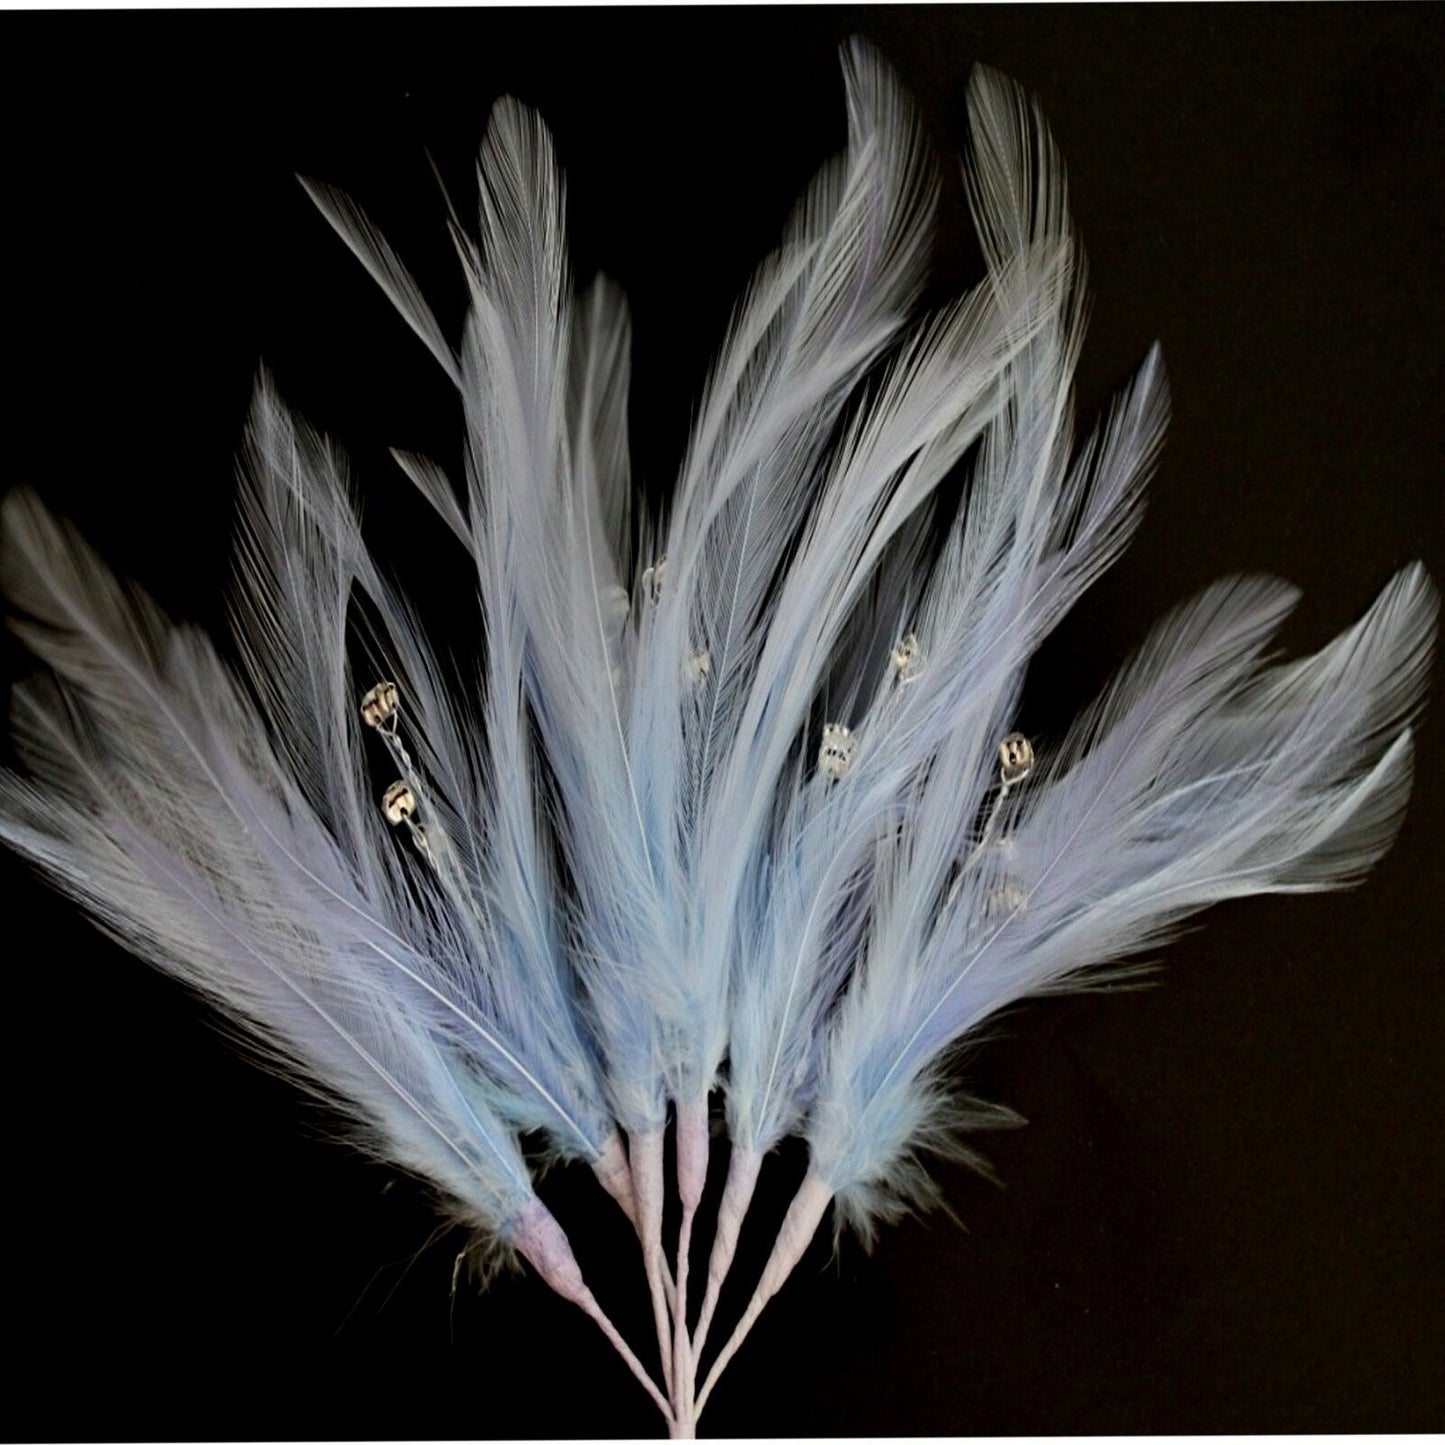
{"x": 734, "y": 792}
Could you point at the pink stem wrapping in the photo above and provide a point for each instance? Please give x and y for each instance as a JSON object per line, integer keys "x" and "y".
{"x": 742, "y": 1179}
{"x": 801, "y": 1223}
{"x": 614, "y": 1174}
{"x": 540, "y": 1240}
{"x": 692, "y": 1149}
{"x": 683, "y": 1424}
{"x": 648, "y": 1189}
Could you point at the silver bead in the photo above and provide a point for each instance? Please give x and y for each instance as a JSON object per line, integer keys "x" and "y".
{"x": 907, "y": 658}
{"x": 379, "y": 705}
{"x": 398, "y": 802}
{"x": 835, "y": 756}
{"x": 1015, "y": 759}
{"x": 652, "y": 579}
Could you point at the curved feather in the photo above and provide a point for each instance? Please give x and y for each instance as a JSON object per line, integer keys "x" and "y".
{"x": 1197, "y": 777}
{"x": 494, "y": 952}
{"x": 165, "y": 816}
{"x": 552, "y": 569}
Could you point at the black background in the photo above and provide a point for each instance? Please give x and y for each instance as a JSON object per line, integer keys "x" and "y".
{"x": 1226, "y": 1213}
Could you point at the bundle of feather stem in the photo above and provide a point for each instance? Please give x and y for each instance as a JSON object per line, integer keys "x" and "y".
{"x": 732, "y": 796}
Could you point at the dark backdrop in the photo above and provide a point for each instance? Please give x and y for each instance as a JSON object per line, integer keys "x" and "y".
{"x": 1226, "y": 1211}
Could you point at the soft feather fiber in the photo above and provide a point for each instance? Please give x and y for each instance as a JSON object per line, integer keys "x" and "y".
{"x": 726, "y": 797}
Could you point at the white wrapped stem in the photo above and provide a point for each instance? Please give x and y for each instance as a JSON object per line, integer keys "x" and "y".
{"x": 540, "y": 1240}
{"x": 648, "y": 1189}
{"x": 799, "y": 1226}
{"x": 692, "y": 1150}
{"x": 737, "y": 1195}
{"x": 614, "y": 1174}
